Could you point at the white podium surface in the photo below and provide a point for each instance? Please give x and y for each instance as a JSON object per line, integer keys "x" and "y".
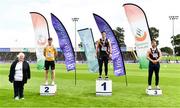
{"x": 103, "y": 87}
{"x": 154, "y": 92}
{"x": 46, "y": 90}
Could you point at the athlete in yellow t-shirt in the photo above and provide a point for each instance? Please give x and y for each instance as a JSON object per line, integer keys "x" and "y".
{"x": 50, "y": 53}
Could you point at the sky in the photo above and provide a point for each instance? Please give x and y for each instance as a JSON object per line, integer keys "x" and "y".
{"x": 16, "y": 29}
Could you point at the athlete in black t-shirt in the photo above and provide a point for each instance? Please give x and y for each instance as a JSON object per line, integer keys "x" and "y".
{"x": 103, "y": 52}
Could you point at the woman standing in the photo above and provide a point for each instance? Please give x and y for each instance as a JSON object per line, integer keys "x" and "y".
{"x": 154, "y": 56}
{"x": 19, "y": 74}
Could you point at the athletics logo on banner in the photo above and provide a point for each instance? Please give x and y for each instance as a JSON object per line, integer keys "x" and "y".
{"x": 140, "y": 29}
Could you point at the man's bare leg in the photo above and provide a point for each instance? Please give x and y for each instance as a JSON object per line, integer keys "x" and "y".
{"x": 53, "y": 76}
{"x": 46, "y": 77}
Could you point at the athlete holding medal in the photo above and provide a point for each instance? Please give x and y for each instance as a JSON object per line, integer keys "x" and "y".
{"x": 103, "y": 52}
{"x": 50, "y": 53}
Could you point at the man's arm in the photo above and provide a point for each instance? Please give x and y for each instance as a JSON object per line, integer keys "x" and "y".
{"x": 160, "y": 55}
{"x": 147, "y": 55}
{"x": 44, "y": 52}
{"x": 56, "y": 53}
{"x": 110, "y": 47}
{"x": 97, "y": 47}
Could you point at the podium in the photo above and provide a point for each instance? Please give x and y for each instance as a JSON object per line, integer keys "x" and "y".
{"x": 154, "y": 92}
{"x": 103, "y": 87}
{"x": 48, "y": 90}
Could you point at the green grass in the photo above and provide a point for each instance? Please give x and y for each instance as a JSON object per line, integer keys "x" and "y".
{"x": 174, "y": 58}
{"x": 83, "y": 94}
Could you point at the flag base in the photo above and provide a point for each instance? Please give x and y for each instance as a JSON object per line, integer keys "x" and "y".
{"x": 154, "y": 92}
{"x": 48, "y": 90}
{"x": 103, "y": 87}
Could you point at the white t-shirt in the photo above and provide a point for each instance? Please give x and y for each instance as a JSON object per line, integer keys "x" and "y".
{"x": 18, "y": 72}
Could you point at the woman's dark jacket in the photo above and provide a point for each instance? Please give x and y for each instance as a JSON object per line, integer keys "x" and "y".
{"x": 26, "y": 71}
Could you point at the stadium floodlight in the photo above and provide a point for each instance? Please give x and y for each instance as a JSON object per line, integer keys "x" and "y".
{"x": 75, "y": 19}
{"x": 173, "y": 18}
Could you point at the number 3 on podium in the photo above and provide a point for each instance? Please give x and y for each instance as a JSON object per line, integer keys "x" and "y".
{"x": 155, "y": 92}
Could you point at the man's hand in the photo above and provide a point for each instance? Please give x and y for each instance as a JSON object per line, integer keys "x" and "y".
{"x": 154, "y": 61}
{"x": 95, "y": 55}
{"x": 110, "y": 55}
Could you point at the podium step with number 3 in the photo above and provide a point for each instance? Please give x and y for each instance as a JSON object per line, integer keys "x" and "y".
{"x": 153, "y": 92}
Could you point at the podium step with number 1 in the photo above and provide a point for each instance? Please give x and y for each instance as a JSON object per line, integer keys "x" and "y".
{"x": 103, "y": 87}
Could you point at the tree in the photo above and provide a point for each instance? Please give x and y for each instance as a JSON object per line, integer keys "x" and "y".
{"x": 80, "y": 45}
{"x": 119, "y": 33}
{"x": 175, "y": 41}
{"x": 154, "y": 33}
{"x": 167, "y": 50}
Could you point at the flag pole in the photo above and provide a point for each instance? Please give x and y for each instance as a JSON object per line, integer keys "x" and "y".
{"x": 75, "y": 75}
{"x": 126, "y": 80}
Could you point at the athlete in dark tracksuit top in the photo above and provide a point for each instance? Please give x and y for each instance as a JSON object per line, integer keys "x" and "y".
{"x": 103, "y": 52}
{"x": 153, "y": 55}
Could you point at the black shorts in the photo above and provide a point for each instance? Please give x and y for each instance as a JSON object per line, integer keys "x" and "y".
{"x": 49, "y": 64}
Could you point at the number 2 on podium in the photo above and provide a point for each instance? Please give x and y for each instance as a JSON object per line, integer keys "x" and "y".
{"x": 104, "y": 84}
{"x": 46, "y": 89}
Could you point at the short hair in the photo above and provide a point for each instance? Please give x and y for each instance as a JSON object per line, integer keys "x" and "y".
{"x": 153, "y": 40}
{"x": 103, "y": 31}
{"x": 21, "y": 54}
{"x": 50, "y": 38}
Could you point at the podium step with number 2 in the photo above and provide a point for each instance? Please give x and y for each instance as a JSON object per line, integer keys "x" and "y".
{"x": 48, "y": 90}
{"x": 103, "y": 87}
